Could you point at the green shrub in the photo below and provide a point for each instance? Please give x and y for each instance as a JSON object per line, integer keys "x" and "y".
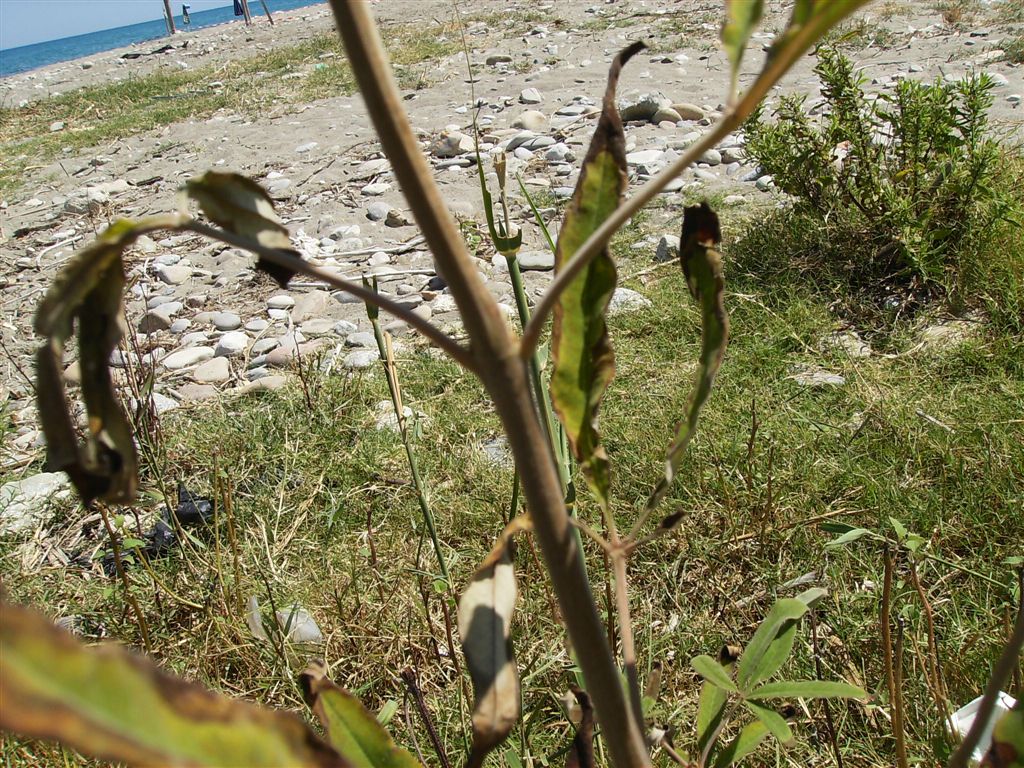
{"x": 902, "y": 183}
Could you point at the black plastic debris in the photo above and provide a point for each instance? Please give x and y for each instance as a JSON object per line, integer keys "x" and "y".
{"x": 192, "y": 511}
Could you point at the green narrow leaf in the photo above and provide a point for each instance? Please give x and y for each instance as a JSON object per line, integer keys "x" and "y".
{"x": 741, "y": 17}
{"x": 806, "y": 689}
{"x": 113, "y": 705}
{"x": 745, "y": 742}
{"x": 485, "y": 626}
{"x": 809, "y": 20}
{"x": 900, "y": 528}
{"x": 89, "y": 290}
{"x": 848, "y": 538}
{"x": 702, "y": 268}
{"x": 240, "y": 205}
{"x": 711, "y": 704}
{"x": 505, "y": 244}
{"x": 351, "y": 730}
{"x": 773, "y": 721}
{"x": 713, "y": 672}
{"x": 584, "y": 363}
{"x": 761, "y": 658}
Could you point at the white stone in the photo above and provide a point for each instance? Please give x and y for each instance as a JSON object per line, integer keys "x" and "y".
{"x": 215, "y": 371}
{"x": 530, "y": 96}
{"x": 627, "y": 300}
{"x": 231, "y": 343}
{"x": 362, "y": 358}
{"x": 27, "y": 503}
{"x": 183, "y": 358}
{"x": 281, "y": 301}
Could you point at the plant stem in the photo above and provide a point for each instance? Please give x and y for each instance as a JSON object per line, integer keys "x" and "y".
{"x": 884, "y": 622}
{"x": 119, "y": 566}
{"x": 505, "y": 375}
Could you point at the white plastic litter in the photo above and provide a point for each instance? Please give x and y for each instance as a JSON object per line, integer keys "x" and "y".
{"x": 964, "y": 717}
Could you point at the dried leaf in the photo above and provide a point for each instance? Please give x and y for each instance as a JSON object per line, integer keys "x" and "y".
{"x": 702, "y": 268}
{"x": 584, "y": 363}
{"x": 485, "y": 626}
{"x": 113, "y": 705}
{"x": 351, "y": 730}
{"x": 240, "y": 205}
{"x": 581, "y": 753}
{"x": 89, "y": 290}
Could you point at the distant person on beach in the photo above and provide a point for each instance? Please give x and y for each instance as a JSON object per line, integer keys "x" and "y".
{"x": 238, "y": 8}
{"x": 184, "y": 15}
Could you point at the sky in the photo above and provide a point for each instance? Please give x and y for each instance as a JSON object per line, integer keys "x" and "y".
{"x": 23, "y": 22}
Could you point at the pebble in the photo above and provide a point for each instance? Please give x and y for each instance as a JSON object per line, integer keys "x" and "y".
{"x": 452, "y": 144}
{"x": 319, "y": 326}
{"x": 530, "y": 96}
{"x": 183, "y": 358}
{"x": 373, "y": 190}
{"x": 766, "y": 182}
{"x": 627, "y": 300}
{"x": 362, "y": 358}
{"x": 309, "y": 305}
{"x": 396, "y": 218}
{"x": 816, "y": 377}
{"x": 26, "y": 503}
{"x": 643, "y": 107}
{"x": 345, "y": 327}
{"x": 226, "y": 321}
{"x": 280, "y": 301}
{"x": 153, "y": 321}
{"x": 304, "y": 148}
{"x": 498, "y": 58}
{"x": 173, "y": 274}
{"x": 215, "y": 371}
{"x": 733, "y": 200}
{"x": 263, "y": 346}
{"x": 194, "y": 393}
{"x": 531, "y": 120}
{"x": 180, "y": 326}
{"x": 257, "y": 325}
{"x": 668, "y": 249}
{"x": 231, "y": 343}
{"x": 666, "y": 114}
{"x": 711, "y": 157}
{"x": 536, "y": 260}
{"x": 377, "y": 211}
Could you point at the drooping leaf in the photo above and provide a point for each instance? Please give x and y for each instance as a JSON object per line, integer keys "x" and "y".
{"x": 713, "y": 672}
{"x": 581, "y": 753}
{"x": 505, "y": 243}
{"x": 711, "y": 705}
{"x": 1007, "y": 750}
{"x": 113, "y": 705}
{"x": 351, "y": 730}
{"x": 584, "y": 363}
{"x": 746, "y": 741}
{"x": 773, "y": 721}
{"x": 240, "y": 205}
{"x": 741, "y": 17}
{"x": 702, "y": 268}
{"x": 806, "y": 689}
{"x": 848, "y": 538}
{"x": 485, "y": 626}
{"x": 89, "y": 290}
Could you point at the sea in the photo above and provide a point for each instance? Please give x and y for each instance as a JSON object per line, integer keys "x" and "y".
{"x": 28, "y": 57}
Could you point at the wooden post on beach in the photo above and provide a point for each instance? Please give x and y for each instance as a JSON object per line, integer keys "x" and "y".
{"x": 245, "y": 12}
{"x": 267, "y": 11}
{"x": 169, "y": 17}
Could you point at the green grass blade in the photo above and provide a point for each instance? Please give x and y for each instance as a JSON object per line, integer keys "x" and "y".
{"x": 806, "y": 689}
{"x": 351, "y": 730}
{"x": 113, "y": 705}
{"x": 584, "y": 363}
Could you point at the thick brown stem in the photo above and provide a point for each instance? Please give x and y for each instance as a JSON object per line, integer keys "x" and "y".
{"x": 505, "y": 376}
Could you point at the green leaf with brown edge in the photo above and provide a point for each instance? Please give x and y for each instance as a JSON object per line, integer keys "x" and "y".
{"x": 240, "y": 205}
{"x": 711, "y": 703}
{"x": 778, "y": 649}
{"x": 581, "y": 753}
{"x": 773, "y": 721}
{"x": 485, "y": 626}
{"x": 584, "y": 363}
{"x": 89, "y": 289}
{"x": 746, "y": 741}
{"x": 741, "y": 17}
{"x": 351, "y": 730}
{"x": 702, "y": 268}
{"x": 111, "y": 704}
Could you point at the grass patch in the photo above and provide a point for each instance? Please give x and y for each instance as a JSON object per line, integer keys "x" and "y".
{"x": 325, "y": 516}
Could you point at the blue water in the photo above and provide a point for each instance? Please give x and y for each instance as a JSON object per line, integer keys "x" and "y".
{"x": 26, "y": 57}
